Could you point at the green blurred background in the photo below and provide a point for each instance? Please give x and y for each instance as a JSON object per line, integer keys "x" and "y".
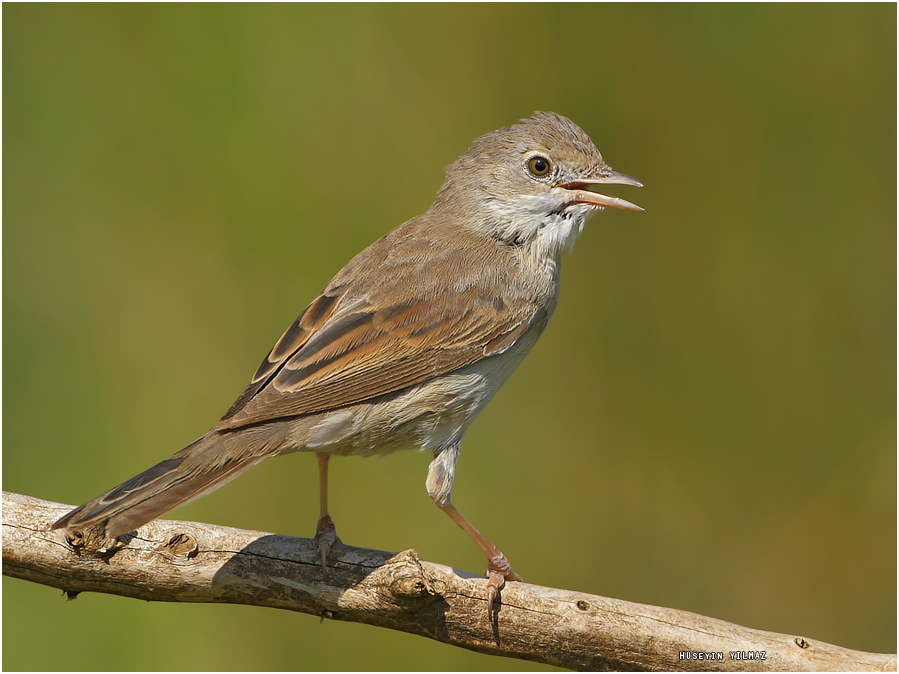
{"x": 709, "y": 423}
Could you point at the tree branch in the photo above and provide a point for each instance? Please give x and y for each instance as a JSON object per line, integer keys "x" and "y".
{"x": 192, "y": 562}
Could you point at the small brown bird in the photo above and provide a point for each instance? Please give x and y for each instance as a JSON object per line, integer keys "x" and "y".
{"x": 411, "y": 339}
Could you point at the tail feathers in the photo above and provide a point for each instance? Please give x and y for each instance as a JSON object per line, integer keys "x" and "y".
{"x": 194, "y": 471}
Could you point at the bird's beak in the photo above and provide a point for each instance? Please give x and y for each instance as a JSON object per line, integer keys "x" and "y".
{"x": 606, "y": 176}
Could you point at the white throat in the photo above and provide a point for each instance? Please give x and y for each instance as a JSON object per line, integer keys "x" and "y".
{"x": 540, "y": 220}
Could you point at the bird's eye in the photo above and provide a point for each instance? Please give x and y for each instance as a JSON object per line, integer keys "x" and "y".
{"x": 538, "y": 166}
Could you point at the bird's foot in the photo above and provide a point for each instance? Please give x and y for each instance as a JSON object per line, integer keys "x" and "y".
{"x": 498, "y": 572}
{"x": 325, "y": 536}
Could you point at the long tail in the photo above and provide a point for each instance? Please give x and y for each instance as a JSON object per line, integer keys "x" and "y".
{"x": 196, "y": 470}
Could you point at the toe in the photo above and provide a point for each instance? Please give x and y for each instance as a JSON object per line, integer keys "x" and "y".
{"x": 326, "y": 537}
{"x": 498, "y": 572}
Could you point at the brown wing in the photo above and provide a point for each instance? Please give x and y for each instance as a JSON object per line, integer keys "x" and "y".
{"x": 389, "y": 323}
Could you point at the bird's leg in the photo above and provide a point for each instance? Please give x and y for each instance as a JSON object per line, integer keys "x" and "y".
{"x": 325, "y": 531}
{"x": 498, "y": 568}
{"x": 441, "y": 474}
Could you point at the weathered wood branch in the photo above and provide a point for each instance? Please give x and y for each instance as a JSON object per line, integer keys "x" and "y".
{"x": 192, "y": 562}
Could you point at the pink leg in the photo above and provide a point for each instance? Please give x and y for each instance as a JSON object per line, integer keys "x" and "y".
{"x": 498, "y": 568}
{"x": 441, "y": 474}
{"x": 325, "y": 531}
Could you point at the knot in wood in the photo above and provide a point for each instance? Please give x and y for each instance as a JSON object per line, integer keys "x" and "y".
{"x": 75, "y": 540}
{"x": 93, "y": 543}
{"x": 182, "y": 545}
{"x": 411, "y": 587}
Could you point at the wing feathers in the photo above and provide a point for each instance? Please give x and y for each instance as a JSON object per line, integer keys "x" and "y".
{"x": 383, "y": 330}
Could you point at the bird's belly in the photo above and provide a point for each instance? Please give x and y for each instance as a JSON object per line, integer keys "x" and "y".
{"x": 428, "y": 416}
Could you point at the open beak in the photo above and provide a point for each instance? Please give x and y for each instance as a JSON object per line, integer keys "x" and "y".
{"x": 606, "y": 176}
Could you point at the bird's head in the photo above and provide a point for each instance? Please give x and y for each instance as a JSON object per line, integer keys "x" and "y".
{"x": 527, "y": 184}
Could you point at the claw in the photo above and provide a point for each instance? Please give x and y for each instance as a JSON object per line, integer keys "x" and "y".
{"x": 326, "y": 536}
{"x": 498, "y": 572}
{"x": 495, "y": 581}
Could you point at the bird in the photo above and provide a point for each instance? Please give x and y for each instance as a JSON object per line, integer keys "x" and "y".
{"x": 409, "y": 341}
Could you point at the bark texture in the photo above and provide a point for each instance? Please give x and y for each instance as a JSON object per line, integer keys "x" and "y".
{"x": 175, "y": 561}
